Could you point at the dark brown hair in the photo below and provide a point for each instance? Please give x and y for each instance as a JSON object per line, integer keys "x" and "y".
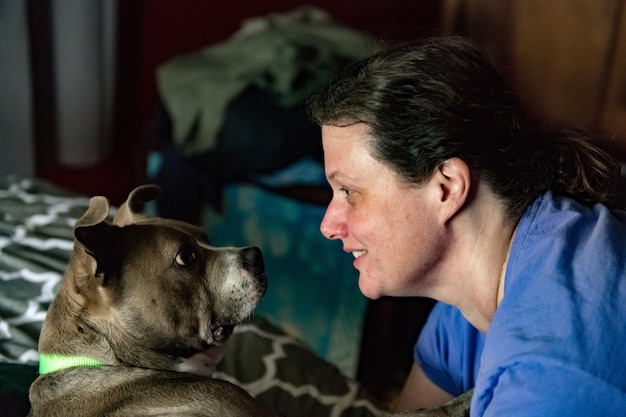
{"x": 435, "y": 99}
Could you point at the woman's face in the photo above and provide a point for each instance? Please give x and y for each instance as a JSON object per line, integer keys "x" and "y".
{"x": 390, "y": 227}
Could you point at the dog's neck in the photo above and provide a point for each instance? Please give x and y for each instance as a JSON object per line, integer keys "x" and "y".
{"x": 64, "y": 331}
{"x": 49, "y": 363}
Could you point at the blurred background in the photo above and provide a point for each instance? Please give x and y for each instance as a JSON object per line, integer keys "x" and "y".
{"x": 80, "y": 107}
{"x": 77, "y": 78}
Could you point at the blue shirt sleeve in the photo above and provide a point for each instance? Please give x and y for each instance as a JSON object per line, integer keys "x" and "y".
{"x": 448, "y": 350}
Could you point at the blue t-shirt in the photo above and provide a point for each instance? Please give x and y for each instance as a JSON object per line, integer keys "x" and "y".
{"x": 448, "y": 349}
{"x": 557, "y": 343}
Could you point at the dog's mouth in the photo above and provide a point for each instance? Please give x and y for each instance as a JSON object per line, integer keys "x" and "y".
{"x": 221, "y": 332}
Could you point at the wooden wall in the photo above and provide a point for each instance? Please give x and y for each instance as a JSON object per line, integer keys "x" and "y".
{"x": 567, "y": 59}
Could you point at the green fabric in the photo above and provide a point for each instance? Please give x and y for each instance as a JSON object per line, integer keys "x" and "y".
{"x": 289, "y": 55}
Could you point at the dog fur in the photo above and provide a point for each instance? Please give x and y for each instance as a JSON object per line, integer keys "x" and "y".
{"x": 152, "y": 301}
{"x": 457, "y": 407}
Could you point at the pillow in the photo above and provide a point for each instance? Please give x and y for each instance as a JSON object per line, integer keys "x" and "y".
{"x": 290, "y": 378}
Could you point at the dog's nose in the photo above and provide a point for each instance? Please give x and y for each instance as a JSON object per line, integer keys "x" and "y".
{"x": 252, "y": 259}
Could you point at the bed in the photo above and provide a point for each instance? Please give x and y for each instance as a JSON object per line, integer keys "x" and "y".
{"x": 36, "y": 220}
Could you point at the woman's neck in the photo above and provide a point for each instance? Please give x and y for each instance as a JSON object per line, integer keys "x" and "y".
{"x": 484, "y": 241}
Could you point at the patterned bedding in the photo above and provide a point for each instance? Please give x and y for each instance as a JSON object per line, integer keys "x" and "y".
{"x": 36, "y": 221}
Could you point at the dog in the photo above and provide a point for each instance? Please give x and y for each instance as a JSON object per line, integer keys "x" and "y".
{"x": 144, "y": 309}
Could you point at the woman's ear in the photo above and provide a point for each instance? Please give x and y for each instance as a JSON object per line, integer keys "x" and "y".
{"x": 454, "y": 179}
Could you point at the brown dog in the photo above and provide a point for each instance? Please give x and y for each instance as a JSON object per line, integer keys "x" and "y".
{"x": 143, "y": 307}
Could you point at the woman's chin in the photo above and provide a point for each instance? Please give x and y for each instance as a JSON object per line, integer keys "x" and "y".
{"x": 369, "y": 289}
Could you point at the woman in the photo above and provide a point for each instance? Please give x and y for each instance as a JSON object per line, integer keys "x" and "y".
{"x": 442, "y": 189}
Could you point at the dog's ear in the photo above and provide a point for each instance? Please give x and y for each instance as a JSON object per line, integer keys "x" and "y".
{"x": 132, "y": 209}
{"x": 95, "y": 263}
{"x": 97, "y": 241}
{"x": 96, "y": 213}
{"x": 94, "y": 243}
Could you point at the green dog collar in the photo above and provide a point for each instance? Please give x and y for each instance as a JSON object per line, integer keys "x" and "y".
{"x": 50, "y": 362}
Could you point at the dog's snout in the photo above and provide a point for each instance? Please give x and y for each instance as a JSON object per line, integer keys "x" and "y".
{"x": 252, "y": 259}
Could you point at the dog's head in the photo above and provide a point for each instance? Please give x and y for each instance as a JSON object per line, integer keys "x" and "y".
{"x": 157, "y": 281}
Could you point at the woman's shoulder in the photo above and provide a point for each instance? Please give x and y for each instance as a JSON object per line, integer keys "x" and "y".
{"x": 563, "y": 250}
{"x": 552, "y": 219}
{"x": 565, "y": 289}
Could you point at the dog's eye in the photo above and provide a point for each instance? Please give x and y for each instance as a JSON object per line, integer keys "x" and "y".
{"x": 185, "y": 256}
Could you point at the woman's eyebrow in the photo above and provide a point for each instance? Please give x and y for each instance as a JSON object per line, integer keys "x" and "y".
{"x": 339, "y": 176}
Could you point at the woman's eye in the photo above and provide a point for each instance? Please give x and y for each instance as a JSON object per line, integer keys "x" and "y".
{"x": 346, "y": 192}
{"x": 185, "y": 257}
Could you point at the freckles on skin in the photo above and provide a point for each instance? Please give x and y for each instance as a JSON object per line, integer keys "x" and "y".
{"x": 392, "y": 223}
{"x": 403, "y": 247}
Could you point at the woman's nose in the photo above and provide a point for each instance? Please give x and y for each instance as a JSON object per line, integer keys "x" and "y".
{"x": 333, "y": 227}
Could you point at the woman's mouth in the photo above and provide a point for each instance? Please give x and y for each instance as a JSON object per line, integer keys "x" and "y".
{"x": 358, "y": 253}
